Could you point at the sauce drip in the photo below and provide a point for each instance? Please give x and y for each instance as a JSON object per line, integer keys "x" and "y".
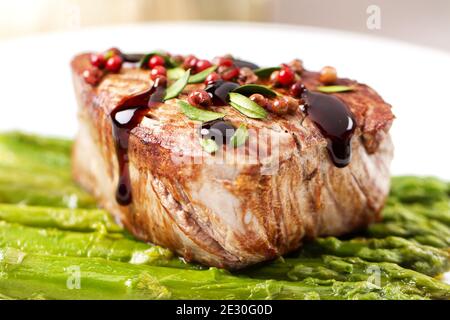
{"x": 336, "y": 123}
{"x": 218, "y": 90}
{"x": 125, "y": 117}
{"x": 220, "y": 131}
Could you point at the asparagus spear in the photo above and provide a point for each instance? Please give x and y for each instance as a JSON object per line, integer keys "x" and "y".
{"x": 115, "y": 246}
{"x": 27, "y": 140}
{"x": 35, "y": 153}
{"x": 23, "y": 194}
{"x": 26, "y": 149}
{"x": 426, "y": 190}
{"x": 10, "y": 173}
{"x": 439, "y": 211}
{"x": 54, "y": 277}
{"x": 409, "y": 231}
{"x": 61, "y": 218}
{"x": 3, "y": 297}
{"x": 32, "y": 167}
{"x": 22, "y": 156}
{"x": 401, "y": 222}
{"x": 18, "y": 185}
{"x": 384, "y": 274}
{"x": 425, "y": 259}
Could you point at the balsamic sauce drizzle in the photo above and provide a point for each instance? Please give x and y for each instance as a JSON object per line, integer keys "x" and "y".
{"x": 125, "y": 117}
{"x": 330, "y": 114}
{"x": 219, "y": 89}
{"x": 335, "y": 121}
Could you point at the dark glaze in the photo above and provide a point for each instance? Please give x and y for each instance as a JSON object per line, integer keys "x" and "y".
{"x": 335, "y": 121}
{"x": 220, "y": 131}
{"x": 125, "y": 117}
{"x": 218, "y": 90}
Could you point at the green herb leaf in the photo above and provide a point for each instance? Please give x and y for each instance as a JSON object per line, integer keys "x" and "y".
{"x": 175, "y": 73}
{"x": 246, "y": 106}
{"x": 209, "y": 145}
{"x": 144, "y": 61}
{"x": 240, "y": 136}
{"x": 201, "y": 76}
{"x": 194, "y": 113}
{"x": 108, "y": 54}
{"x": 175, "y": 88}
{"x": 335, "y": 89}
{"x": 167, "y": 61}
{"x": 265, "y": 72}
{"x": 249, "y": 89}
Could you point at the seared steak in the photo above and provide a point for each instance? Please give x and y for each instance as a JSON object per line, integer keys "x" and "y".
{"x": 231, "y": 211}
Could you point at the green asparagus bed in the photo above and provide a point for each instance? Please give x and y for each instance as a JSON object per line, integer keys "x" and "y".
{"x": 55, "y": 244}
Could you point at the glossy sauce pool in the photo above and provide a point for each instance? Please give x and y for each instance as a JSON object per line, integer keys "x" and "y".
{"x": 335, "y": 121}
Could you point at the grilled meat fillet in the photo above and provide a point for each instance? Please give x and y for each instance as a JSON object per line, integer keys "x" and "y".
{"x": 247, "y": 208}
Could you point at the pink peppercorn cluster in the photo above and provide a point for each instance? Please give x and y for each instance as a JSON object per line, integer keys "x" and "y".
{"x": 109, "y": 61}
{"x": 284, "y": 77}
{"x": 227, "y": 70}
{"x": 158, "y": 71}
{"x": 199, "y": 98}
{"x": 196, "y": 65}
{"x": 287, "y": 77}
{"x": 279, "y": 105}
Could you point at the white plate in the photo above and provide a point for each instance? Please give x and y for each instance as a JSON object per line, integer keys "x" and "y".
{"x": 37, "y": 96}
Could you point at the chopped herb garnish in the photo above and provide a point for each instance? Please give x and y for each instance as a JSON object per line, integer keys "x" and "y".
{"x": 175, "y": 73}
{"x": 335, "y": 89}
{"x": 209, "y": 145}
{"x": 194, "y": 113}
{"x": 265, "y": 72}
{"x": 167, "y": 60}
{"x": 246, "y": 106}
{"x": 175, "y": 88}
{"x": 201, "y": 76}
{"x": 240, "y": 136}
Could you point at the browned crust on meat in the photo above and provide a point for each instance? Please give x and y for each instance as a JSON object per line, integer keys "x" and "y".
{"x": 266, "y": 215}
